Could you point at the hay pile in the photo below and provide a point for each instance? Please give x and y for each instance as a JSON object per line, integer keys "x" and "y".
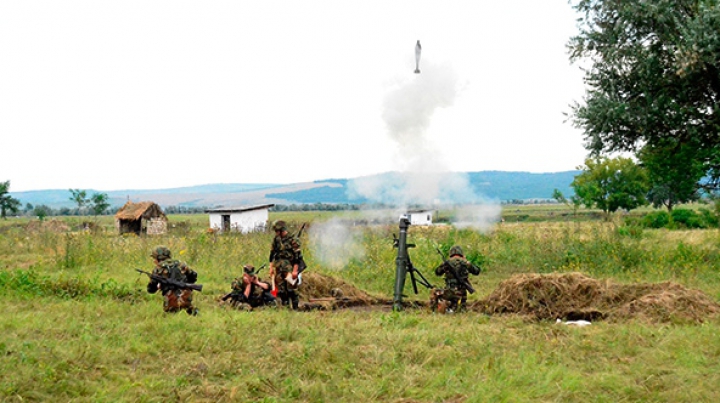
{"x": 575, "y": 296}
{"x": 329, "y": 293}
{"x": 47, "y": 225}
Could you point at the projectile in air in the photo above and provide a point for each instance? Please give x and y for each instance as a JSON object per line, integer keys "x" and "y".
{"x": 418, "y": 49}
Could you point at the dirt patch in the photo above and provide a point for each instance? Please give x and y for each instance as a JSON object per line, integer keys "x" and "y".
{"x": 575, "y": 296}
{"x": 569, "y": 296}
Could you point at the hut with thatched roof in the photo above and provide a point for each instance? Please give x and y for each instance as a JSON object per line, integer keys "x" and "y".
{"x": 141, "y": 218}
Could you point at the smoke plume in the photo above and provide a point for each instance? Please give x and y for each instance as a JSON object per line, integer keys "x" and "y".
{"x": 423, "y": 178}
{"x": 335, "y": 244}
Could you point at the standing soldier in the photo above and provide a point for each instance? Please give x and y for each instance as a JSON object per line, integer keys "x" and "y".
{"x": 175, "y": 298}
{"x": 455, "y": 269}
{"x": 286, "y": 263}
{"x": 249, "y": 291}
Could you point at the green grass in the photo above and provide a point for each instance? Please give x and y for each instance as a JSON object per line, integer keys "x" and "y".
{"x": 77, "y": 324}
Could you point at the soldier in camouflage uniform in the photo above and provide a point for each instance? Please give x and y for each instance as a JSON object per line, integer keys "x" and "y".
{"x": 249, "y": 291}
{"x": 286, "y": 264}
{"x": 455, "y": 270}
{"x": 175, "y": 299}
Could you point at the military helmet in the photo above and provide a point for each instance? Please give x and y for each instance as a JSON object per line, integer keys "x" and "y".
{"x": 456, "y": 250}
{"x": 249, "y": 269}
{"x": 279, "y": 226}
{"x": 161, "y": 253}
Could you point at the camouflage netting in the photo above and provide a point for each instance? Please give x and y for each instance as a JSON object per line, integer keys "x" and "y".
{"x": 575, "y": 296}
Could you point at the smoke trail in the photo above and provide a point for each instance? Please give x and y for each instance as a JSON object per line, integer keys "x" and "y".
{"x": 335, "y": 243}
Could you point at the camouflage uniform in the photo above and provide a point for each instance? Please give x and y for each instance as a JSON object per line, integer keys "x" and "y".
{"x": 284, "y": 255}
{"x": 174, "y": 299}
{"x": 258, "y": 295}
{"x": 454, "y": 296}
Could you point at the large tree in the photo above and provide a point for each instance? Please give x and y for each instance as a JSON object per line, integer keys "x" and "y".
{"x": 653, "y": 77}
{"x": 8, "y": 204}
{"x": 611, "y": 184}
{"x": 674, "y": 173}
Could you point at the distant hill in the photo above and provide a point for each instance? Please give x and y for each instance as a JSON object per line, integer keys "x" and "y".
{"x": 498, "y": 185}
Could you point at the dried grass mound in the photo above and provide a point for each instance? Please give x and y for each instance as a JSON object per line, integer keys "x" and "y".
{"x": 331, "y": 292}
{"x": 576, "y": 296}
{"x": 47, "y": 225}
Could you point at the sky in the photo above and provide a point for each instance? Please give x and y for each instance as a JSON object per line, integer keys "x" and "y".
{"x": 113, "y": 95}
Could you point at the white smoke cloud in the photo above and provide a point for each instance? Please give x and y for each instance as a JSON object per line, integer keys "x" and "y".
{"x": 423, "y": 177}
{"x": 479, "y": 217}
{"x": 335, "y": 243}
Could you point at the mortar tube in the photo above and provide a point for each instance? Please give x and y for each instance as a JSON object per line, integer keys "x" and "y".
{"x": 401, "y": 263}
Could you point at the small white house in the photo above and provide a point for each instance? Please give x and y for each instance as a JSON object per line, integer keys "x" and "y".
{"x": 240, "y": 219}
{"x": 420, "y": 217}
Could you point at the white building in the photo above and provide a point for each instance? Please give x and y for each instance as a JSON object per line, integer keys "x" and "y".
{"x": 420, "y": 217}
{"x": 241, "y": 219}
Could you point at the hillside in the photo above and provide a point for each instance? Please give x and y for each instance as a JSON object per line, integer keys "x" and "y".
{"x": 497, "y": 185}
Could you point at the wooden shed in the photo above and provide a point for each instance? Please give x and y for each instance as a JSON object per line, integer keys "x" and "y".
{"x": 141, "y": 218}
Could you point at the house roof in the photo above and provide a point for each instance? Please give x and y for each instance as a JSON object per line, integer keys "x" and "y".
{"x": 239, "y": 209}
{"x": 415, "y": 211}
{"x": 135, "y": 211}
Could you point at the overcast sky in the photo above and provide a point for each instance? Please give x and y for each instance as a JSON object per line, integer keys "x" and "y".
{"x": 111, "y": 95}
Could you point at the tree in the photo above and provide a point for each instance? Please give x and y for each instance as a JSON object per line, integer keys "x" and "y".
{"x": 8, "y": 204}
{"x": 674, "y": 174}
{"x": 42, "y": 211}
{"x": 654, "y": 78}
{"x": 80, "y": 198}
{"x": 611, "y": 184}
{"x": 99, "y": 203}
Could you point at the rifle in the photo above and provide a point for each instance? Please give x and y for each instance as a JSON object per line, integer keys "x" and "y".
{"x": 465, "y": 282}
{"x": 171, "y": 282}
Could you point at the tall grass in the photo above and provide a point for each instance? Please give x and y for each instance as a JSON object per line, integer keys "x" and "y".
{"x": 77, "y": 324}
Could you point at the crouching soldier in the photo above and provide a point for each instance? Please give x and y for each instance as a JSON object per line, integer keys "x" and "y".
{"x": 175, "y": 298}
{"x": 249, "y": 291}
{"x": 455, "y": 269}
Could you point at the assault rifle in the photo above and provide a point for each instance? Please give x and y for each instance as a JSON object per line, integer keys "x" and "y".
{"x": 465, "y": 282}
{"x": 171, "y": 282}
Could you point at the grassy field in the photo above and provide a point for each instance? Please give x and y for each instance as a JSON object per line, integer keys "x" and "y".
{"x": 78, "y": 326}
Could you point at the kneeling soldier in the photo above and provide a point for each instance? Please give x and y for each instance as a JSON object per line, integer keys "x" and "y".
{"x": 174, "y": 298}
{"x": 455, "y": 270}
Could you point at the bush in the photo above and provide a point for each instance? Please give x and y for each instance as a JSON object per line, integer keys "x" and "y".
{"x": 710, "y": 218}
{"x": 656, "y": 219}
{"x": 687, "y": 218}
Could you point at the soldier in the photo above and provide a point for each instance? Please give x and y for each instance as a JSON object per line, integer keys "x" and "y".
{"x": 455, "y": 269}
{"x": 286, "y": 263}
{"x": 249, "y": 291}
{"x": 175, "y": 298}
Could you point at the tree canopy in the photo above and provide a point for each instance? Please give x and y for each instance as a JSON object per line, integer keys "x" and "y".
{"x": 8, "y": 204}
{"x": 611, "y": 184}
{"x": 653, "y": 79}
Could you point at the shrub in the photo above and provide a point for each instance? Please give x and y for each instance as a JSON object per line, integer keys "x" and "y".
{"x": 656, "y": 219}
{"x": 687, "y": 218}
